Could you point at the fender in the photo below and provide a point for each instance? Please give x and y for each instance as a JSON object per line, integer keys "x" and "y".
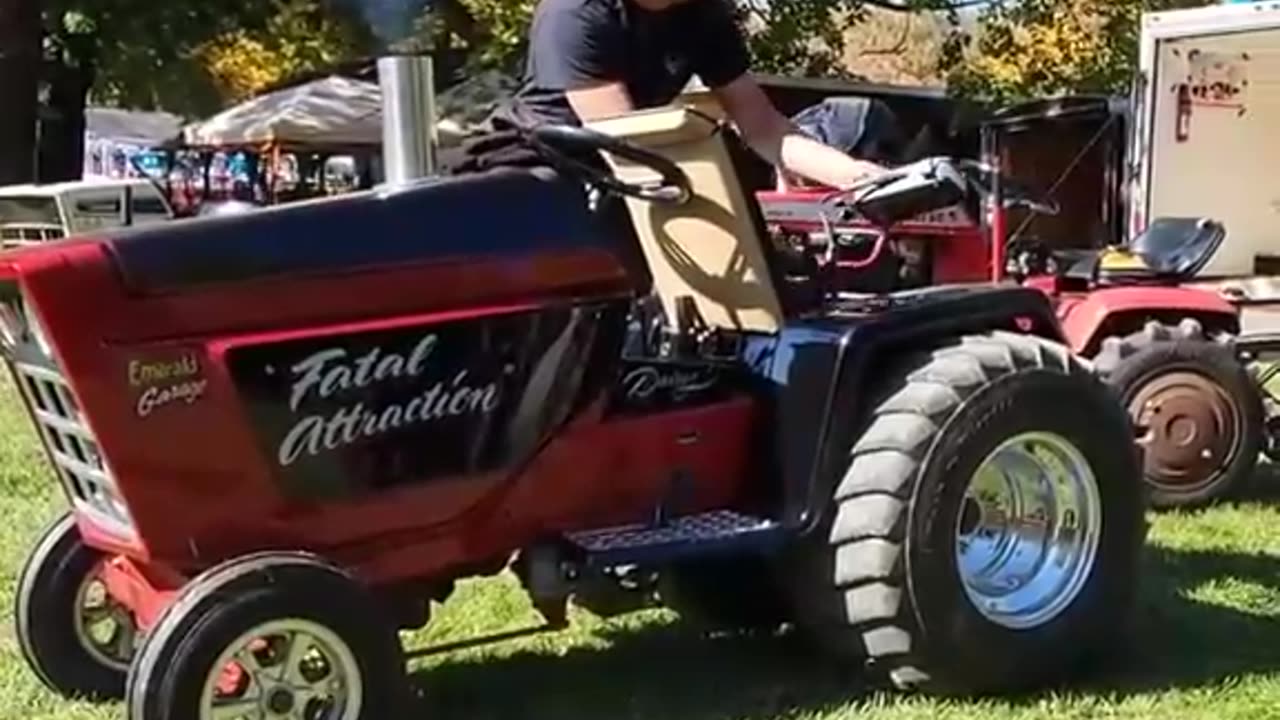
{"x": 1086, "y": 321}
{"x": 820, "y": 376}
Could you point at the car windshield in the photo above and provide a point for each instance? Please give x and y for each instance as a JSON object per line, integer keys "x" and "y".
{"x": 34, "y": 210}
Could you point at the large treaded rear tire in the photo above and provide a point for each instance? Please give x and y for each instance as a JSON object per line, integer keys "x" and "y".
{"x": 881, "y": 580}
{"x": 1210, "y": 405}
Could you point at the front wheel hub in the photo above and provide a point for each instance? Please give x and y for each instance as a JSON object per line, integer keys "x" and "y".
{"x": 1188, "y": 427}
{"x": 292, "y": 668}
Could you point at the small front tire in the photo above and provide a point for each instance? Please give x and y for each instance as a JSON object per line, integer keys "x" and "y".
{"x": 270, "y": 635}
{"x": 74, "y": 636}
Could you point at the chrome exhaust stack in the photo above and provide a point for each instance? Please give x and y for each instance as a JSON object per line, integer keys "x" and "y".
{"x": 408, "y": 117}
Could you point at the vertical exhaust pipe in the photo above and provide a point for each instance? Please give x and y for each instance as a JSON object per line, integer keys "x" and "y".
{"x": 408, "y": 117}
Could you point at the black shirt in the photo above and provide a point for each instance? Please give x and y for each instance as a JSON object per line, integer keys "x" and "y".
{"x": 655, "y": 54}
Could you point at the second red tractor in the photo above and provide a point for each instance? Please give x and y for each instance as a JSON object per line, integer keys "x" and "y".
{"x": 1167, "y": 350}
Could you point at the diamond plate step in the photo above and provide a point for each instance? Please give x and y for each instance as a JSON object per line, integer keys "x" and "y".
{"x": 720, "y": 531}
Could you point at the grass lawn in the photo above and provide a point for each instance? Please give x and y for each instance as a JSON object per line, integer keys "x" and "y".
{"x": 1206, "y": 643}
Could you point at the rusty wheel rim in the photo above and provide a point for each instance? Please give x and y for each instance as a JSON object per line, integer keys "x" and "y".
{"x": 1189, "y": 428}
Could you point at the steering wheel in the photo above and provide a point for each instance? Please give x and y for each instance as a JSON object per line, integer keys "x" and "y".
{"x": 1016, "y": 193}
{"x": 568, "y": 144}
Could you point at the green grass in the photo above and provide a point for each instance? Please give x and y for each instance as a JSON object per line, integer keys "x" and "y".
{"x": 1205, "y": 642}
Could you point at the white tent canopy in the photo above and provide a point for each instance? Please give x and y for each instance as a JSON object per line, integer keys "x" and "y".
{"x": 330, "y": 111}
{"x": 336, "y": 111}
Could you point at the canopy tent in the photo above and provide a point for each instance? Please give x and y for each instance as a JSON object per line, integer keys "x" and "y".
{"x": 116, "y": 139}
{"x": 332, "y": 112}
{"x": 133, "y": 127}
{"x": 337, "y": 113}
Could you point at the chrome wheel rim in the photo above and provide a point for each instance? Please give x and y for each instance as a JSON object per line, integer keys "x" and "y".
{"x": 290, "y": 669}
{"x": 105, "y": 628}
{"x": 1027, "y": 530}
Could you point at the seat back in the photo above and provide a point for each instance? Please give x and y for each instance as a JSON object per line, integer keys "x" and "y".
{"x": 1177, "y": 246}
{"x": 710, "y": 249}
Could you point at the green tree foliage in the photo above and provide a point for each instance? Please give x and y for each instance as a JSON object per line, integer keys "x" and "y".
{"x": 787, "y": 36}
{"x": 180, "y": 55}
{"x": 301, "y": 36}
{"x": 1034, "y": 48}
{"x": 811, "y": 37}
{"x": 138, "y": 53}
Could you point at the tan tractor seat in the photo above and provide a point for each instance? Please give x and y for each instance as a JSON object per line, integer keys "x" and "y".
{"x": 709, "y": 249}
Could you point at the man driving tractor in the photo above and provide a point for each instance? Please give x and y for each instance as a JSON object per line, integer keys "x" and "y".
{"x": 589, "y": 59}
{"x": 594, "y": 58}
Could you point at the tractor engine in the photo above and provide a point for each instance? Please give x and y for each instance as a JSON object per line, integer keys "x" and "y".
{"x": 936, "y": 248}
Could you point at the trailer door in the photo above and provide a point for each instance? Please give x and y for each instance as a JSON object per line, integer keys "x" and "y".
{"x": 1216, "y": 142}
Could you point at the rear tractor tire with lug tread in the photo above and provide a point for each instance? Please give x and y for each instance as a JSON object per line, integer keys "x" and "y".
{"x": 986, "y": 534}
{"x": 272, "y": 635}
{"x": 1199, "y": 415}
{"x": 73, "y": 635}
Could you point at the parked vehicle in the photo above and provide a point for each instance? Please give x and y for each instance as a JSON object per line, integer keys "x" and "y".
{"x": 32, "y": 214}
{"x": 1168, "y": 349}
{"x": 279, "y": 445}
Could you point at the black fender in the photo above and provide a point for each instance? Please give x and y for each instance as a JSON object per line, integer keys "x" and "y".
{"x": 817, "y": 372}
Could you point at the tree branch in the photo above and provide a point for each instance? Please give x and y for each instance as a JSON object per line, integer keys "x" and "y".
{"x": 906, "y": 8}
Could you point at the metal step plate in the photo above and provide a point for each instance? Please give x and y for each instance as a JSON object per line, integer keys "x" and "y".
{"x": 720, "y": 531}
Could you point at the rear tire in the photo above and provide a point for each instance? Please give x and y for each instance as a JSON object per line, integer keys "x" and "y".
{"x": 884, "y": 578}
{"x": 1197, "y": 410}
{"x": 282, "y": 631}
{"x": 59, "y": 613}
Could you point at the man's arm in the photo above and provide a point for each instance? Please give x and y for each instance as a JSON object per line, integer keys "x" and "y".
{"x": 770, "y": 134}
{"x": 599, "y": 99}
{"x": 579, "y": 47}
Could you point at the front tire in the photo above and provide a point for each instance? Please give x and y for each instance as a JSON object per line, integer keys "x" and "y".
{"x": 270, "y": 635}
{"x": 915, "y": 568}
{"x": 1199, "y": 414}
{"x": 74, "y": 636}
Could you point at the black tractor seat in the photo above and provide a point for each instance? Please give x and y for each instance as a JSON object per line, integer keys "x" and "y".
{"x": 1169, "y": 251}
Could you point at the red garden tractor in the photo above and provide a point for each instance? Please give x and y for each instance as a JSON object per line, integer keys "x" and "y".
{"x": 284, "y": 433}
{"x": 1169, "y": 351}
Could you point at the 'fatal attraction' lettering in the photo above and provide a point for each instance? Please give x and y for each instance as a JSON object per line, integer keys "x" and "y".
{"x": 332, "y": 371}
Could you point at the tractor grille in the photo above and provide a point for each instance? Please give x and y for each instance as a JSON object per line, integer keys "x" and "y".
{"x": 72, "y": 446}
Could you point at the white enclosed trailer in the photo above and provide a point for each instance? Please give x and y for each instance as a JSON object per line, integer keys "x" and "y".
{"x": 1206, "y": 136}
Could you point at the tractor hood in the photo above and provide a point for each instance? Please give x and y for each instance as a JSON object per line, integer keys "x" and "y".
{"x": 504, "y": 213}
{"x": 504, "y": 237}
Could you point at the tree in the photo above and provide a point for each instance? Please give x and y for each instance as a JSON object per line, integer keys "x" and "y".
{"x": 1033, "y": 48}
{"x": 896, "y": 47}
{"x": 301, "y": 36}
{"x": 19, "y": 68}
{"x": 787, "y": 36}
{"x": 133, "y": 53}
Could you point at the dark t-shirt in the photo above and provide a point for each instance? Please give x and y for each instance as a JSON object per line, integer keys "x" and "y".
{"x": 655, "y": 54}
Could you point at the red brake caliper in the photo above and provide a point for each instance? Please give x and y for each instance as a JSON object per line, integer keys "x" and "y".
{"x": 233, "y": 680}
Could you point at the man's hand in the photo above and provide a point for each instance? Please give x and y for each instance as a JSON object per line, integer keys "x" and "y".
{"x": 772, "y": 136}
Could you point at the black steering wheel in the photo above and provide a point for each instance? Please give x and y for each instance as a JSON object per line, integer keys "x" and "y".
{"x": 569, "y": 145}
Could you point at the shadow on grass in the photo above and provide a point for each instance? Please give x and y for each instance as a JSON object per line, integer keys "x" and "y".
{"x": 667, "y": 672}
{"x": 1180, "y": 640}
{"x": 671, "y": 672}
{"x": 1265, "y": 485}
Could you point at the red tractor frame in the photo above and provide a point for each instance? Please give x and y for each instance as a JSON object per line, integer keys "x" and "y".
{"x": 1169, "y": 351}
{"x": 283, "y": 434}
